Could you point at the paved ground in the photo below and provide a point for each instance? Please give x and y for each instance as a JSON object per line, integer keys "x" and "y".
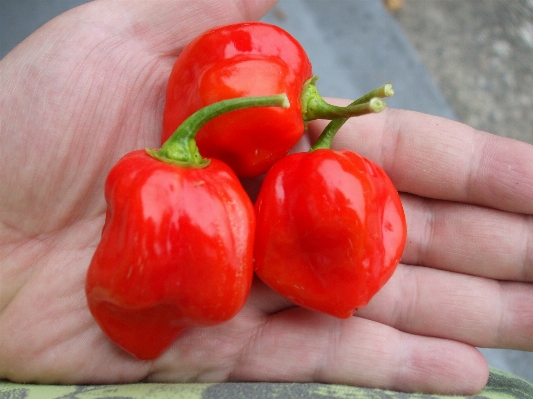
{"x": 469, "y": 60}
{"x": 480, "y": 53}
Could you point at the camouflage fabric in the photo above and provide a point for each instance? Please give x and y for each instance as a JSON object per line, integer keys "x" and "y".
{"x": 500, "y": 386}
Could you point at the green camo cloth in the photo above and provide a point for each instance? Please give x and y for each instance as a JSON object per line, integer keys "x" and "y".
{"x": 500, "y": 386}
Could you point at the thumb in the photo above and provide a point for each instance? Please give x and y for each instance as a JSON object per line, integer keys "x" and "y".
{"x": 166, "y": 26}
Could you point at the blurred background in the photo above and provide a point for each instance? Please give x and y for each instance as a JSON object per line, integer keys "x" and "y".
{"x": 466, "y": 60}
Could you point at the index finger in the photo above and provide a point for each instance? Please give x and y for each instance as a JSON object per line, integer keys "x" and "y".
{"x": 439, "y": 158}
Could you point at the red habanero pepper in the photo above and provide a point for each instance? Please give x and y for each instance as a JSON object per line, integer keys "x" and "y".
{"x": 330, "y": 227}
{"x": 245, "y": 59}
{"x": 176, "y": 249}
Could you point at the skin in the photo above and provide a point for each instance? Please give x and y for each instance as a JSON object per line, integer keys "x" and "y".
{"x": 89, "y": 86}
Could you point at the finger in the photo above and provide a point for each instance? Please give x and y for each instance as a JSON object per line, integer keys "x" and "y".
{"x": 299, "y": 345}
{"x": 468, "y": 239}
{"x": 474, "y": 310}
{"x": 439, "y": 158}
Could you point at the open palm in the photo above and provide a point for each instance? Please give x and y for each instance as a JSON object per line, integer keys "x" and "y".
{"x": 89, "y": 86}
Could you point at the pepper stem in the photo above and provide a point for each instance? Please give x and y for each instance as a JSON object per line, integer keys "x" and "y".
{"x": 370, "y": 102}
{"x": 315, "y": 107}
{"x": 180, "y": 148}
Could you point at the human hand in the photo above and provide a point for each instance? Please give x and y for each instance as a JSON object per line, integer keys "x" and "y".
{"x": 86, "y": 89}
{"x": 466, "y": 272}
{"x": 77, "y": 95}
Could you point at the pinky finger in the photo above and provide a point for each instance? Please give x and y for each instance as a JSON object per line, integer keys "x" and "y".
{"x": 299, "y": 345}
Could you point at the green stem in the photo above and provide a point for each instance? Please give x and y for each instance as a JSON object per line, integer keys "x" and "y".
{"x": 180, "y": 148}
{"x": 384, "y": 91}
{"x": 372, "y": 103}
{"x": 315, "y": 107}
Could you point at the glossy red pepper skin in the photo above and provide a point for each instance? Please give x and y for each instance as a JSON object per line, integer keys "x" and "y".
{"x": 330, "y": 230}
{"x": 246, "y": 59}
{"x": 176, "y": 251}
